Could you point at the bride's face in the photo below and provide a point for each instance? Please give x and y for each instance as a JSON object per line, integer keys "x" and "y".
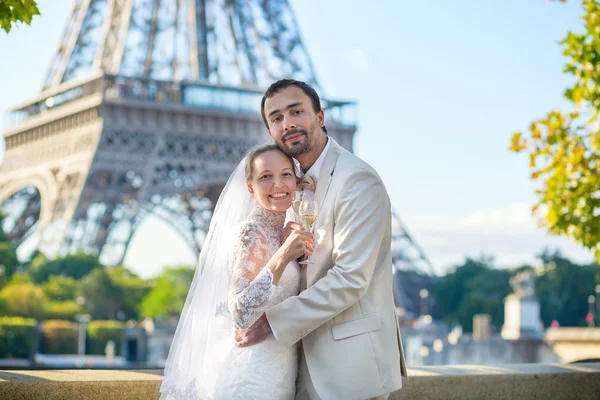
{"x": 273, "y": 181}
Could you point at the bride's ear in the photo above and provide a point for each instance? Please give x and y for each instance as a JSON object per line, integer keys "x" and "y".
{"x": 250, "y": 187}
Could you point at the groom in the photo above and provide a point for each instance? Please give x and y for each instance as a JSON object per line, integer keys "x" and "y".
{"x": 344, "y": 316}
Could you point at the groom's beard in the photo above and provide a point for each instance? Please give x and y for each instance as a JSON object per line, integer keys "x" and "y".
{"x": 295, "y": 149}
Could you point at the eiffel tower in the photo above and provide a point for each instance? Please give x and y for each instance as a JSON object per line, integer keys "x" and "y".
{"x": 147, "y": 107}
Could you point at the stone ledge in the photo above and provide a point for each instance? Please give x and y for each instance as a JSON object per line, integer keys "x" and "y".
{"x": 511, "y": 381}
{"x": 79, "y": 384}
{"x": 464, "y": 382}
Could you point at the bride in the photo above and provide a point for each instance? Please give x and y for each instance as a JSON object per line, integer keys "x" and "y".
{"x": 244, "y": 268}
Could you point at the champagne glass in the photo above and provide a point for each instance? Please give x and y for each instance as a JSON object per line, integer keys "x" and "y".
{"x": 298, "y": 196}
{"x": 308, "y": 211}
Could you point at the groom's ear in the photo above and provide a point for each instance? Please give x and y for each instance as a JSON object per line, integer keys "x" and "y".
{"x": 269, "y": 131}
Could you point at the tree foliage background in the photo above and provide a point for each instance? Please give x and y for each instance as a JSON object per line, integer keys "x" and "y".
{"x": 564, "y": 146}
{"x": 13, "y": 11}
{"x": 477, "y": 286}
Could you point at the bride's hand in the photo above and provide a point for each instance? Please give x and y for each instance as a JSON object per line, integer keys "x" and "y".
{"x": 297, "y": 244}
{"x": 289, "y": 228}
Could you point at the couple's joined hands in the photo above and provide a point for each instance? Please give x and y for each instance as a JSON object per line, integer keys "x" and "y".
{"x": 258, "y": 332}
{"x": 296, "y": 242}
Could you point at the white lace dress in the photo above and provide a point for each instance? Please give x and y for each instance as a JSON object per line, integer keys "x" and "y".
{"x": 266, "y": 370}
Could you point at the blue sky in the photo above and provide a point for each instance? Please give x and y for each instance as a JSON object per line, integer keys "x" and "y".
{"x": 441, "y": 87}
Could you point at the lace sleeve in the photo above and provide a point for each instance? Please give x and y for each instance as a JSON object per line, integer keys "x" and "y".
{"x": 252, "y": 284}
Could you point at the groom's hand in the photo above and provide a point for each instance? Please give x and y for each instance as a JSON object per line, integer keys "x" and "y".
{"x": 258, "y": 332}
{"x": 289, "y": 228}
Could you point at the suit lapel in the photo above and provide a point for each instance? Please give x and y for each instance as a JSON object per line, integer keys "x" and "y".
{"x": 322, "y": 187}
{"x": 327, "y": 171}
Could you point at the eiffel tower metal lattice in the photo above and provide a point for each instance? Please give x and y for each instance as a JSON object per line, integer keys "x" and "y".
{"x": 147, "y": 107}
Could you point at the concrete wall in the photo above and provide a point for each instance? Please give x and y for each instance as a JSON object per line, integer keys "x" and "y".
{"x": 522, "y": 381}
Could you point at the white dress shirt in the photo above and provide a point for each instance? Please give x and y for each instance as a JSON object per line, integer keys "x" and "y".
{"x": 315, "y": 170}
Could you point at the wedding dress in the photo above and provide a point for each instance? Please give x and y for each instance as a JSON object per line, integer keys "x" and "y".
{"x": 266, "y": 370}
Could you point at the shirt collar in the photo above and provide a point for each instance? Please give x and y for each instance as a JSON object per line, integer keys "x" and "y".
{"x": 315, "y": 169}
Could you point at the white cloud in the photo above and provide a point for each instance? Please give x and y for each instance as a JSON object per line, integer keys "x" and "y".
{"x": 514, "y": 218}
{"x": 510, "y": 234}
{"x": 357, "y": 57}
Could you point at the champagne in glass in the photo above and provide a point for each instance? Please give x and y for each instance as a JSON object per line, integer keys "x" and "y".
{"x": 308, "y": 215}
{"x": 308, "y": 220}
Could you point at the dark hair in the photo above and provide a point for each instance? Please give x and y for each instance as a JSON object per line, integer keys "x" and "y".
{"x": 257, "y": 151}
{"x": 281, "y": 84}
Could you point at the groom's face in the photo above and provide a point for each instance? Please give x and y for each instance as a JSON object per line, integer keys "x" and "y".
{"x": 293, "y": 123}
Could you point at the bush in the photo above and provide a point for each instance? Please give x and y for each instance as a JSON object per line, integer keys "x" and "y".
{"x": 60, "y": 337}
{"x": 60, "y": 288}
{"x": 100, "y": 332}
{"x": 65, "y": 310}
{"x": 19, "y": 277}
{"x": 24, "y": 300}
{"x": 17, "y": 337}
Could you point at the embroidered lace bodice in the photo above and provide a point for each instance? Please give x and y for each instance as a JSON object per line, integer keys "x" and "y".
{"x": 252, "y": 290}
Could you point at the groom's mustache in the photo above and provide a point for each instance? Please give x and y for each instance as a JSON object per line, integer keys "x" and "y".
{"x": 294, "y": 132}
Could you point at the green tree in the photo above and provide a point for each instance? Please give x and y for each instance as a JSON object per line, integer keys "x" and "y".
{"x": 103, "y": 298}
{"x": 75, "y": 266}
{"x": 8, "y": 255}
{"x": 159, "y": 302}
{"x": 475, "y": 287}
{"x": 168, "y": 293}
{"x": 485, "y": 294}
{"x": 133, "y": 290}
{"x": 109, "y": 291}
{"x": 36, "y": 264}
{"x": 3, "y": 236}
{"x": 564, "y": 147}
{"x": 60, "y": 288}
{"x": 12, "y": 11}
{"x": 8, "y": 259}
{"x": 563, "y": 288}
{"x": 3, "y": 278}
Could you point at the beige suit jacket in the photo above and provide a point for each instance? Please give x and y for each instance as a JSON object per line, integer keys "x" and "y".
{"x": 345, "y": 315}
